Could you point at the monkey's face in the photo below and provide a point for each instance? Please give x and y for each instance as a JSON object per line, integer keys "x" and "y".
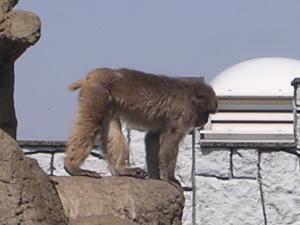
{"x": 202, "y": 119}
{"x": 206, "y": 104}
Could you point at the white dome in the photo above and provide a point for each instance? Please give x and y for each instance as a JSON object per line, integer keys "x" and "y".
{"x": 258, "y": 77}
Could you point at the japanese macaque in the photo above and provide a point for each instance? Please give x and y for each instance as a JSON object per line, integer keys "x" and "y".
{"x": 166, "y": 108}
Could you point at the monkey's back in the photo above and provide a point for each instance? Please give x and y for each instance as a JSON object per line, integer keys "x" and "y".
{"x": 154, "y": 99}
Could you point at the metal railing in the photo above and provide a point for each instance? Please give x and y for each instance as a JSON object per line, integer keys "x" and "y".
{"x": 51, "y": 148}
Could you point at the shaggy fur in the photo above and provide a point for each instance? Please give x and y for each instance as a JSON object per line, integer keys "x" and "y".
{"x": 166, "y": 108}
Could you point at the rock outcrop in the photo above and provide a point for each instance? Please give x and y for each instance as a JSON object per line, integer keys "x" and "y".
{"x": 148, "y": 202}
{"x": 101, "y": 220}
{"x": 27, "y": 196}
{"x": 18, "y": 30}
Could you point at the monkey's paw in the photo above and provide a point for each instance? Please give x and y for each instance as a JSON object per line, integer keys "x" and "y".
{"x": 88, "y": 173}
{"x": 137, "y": 173}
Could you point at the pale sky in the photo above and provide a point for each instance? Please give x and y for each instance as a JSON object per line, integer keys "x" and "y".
{"x": 172, "y": 37}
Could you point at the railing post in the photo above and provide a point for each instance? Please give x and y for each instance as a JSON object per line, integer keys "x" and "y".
{"x": 296, "y": 110}
{"x": 193, "y": 177}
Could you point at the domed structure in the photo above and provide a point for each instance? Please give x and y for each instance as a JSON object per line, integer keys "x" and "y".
{"x": 258, "y": 77}
{"x": 255, "y": 104}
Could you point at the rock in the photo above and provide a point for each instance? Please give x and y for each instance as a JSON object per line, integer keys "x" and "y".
{"x": 26, "y": 194}
{"x": 18, "y": 30}
{"x": 213, "y": 162}
{"x": 141, "y": 201}
{"x": 244, "y": 163}
{"x": 280, "y": 184}
{"x": 101, "y": 220}
{"x": 231, "y": 201}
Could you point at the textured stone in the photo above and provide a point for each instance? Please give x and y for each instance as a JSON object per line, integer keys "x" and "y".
{"x": 244, "y": 163}
{"x": 43, "y": 161}
{"x": 18, "y": 30}
{"x": 213, "y": 162}
{"x": 142, "y": 201}
{"x": 137, "y": 148}
{"x": 233, "y": 201}
{"x": 91, "y": 163}
{"x": 101, "y": 220}
{"x": 23, "y": 27}
{"x": 188, "y": 208}
{"x": 26, "y": 194}
{"x": 230, "y": 202}
{"x": 280, "y": 184}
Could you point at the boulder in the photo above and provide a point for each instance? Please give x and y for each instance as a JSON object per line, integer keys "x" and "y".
{"x": 27, "y": 196}
{"x": 141, "y": 201}
{"x": 101, "y": 220}
{"x": 18, "y": 31}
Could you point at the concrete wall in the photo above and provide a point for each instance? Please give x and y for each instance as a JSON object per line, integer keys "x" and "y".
{"x": 233, "y": 186}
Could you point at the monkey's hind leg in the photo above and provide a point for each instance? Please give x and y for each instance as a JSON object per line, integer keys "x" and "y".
{"x": 117, "y": 151}
{"x": 91, "y": 112}
{"x": 78, "y": 149}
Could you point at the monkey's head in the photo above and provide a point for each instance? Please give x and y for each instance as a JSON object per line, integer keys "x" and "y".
{"x": 205, "y": 102}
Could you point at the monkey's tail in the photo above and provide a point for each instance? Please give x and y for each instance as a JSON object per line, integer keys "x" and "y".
{"x": 76, "y": 85}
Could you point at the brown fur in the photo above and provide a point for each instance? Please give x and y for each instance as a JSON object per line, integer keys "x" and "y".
{"x": 166, "y": 108}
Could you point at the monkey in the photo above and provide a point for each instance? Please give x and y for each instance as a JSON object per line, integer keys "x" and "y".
{"x": 166, "y": 108}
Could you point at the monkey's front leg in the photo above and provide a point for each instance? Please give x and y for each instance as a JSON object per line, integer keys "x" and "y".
{"x": 168, "y": 155}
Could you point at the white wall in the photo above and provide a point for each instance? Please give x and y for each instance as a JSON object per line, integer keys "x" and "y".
{"x": 233, "y": 187}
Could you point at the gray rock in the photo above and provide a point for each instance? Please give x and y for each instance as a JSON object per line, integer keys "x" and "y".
{"x": 280, "y": 184}
{"x": 184, "y": 161}
{"x": 244, "y": 163}
{"x": 101, "y": 220}
{"x": 213, "y": 162}
{"x": 18, "y": 30}
{"x": 141, "y": 201}
{"x": 188, "y": 209}
{"x": 26, "y": 194}
{"x": 230, "y": 202}
{"x": 43, "y": 161}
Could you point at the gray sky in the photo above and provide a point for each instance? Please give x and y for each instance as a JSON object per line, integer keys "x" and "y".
{"x": 171, "y": 37}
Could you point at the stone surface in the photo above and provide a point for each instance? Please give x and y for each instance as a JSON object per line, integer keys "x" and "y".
{"x": 230, "y": 202}
{"x": 43, "y": 161}
{"x": 18, "y": 30}
{"x": 101, "y": 220}
{"x": 91, "y": 163}
{"x": 141, "y": 201}
{"x": 184, "y": 161}
{"x": 26, "y": 194}
{"x": 137, "y": 148}
{"x": 245, "y": 163}
{"x": 213, "y": 162}
{"x": 281, "y": 187}
{"x": 264, "y": 188}
{"x": 188, "y": 209}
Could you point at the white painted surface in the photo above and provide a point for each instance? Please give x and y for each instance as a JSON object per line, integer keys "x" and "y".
{"x": 255, "y": 101}
{"x": 258, "y": 77}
